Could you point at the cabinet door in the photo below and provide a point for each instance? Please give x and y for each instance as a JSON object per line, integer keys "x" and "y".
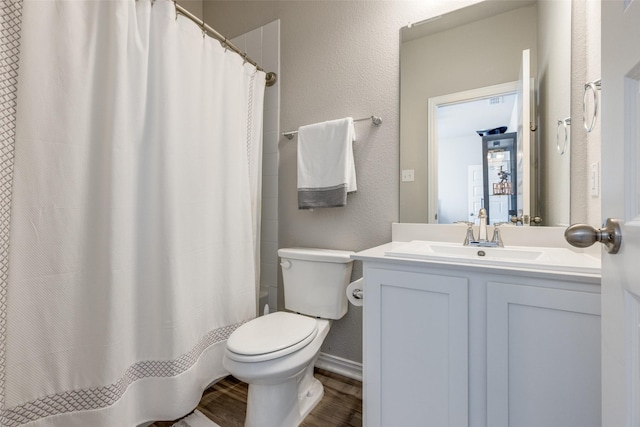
{"x": 416, "y": 349}
{"x": 543, "y": 357}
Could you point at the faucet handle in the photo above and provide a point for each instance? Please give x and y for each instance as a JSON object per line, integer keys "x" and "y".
{"x": 469, "y": 237}
{"x": 497, "y": 237}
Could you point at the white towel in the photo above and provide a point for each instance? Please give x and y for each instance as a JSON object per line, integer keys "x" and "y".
{"x": 326, "y": 168}
{"x": 196, "y": 419}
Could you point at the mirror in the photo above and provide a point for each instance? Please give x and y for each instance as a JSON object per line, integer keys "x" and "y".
{"x": 477, "y": 52}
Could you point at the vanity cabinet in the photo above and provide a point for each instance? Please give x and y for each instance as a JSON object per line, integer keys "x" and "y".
{"x": 416, "y": 346}
{"x": 543, "y": 356}
{"x": 459, "y": 345}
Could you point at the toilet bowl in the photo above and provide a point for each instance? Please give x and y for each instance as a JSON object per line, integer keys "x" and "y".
{"x": 276, "y": 353}
{"x": 282, "y": 389}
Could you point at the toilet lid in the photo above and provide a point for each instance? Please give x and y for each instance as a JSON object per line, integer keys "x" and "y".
{"x": 274, "y": 333}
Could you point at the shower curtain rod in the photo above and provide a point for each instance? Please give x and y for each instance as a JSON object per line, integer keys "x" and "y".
{"x": 271, "y": 77}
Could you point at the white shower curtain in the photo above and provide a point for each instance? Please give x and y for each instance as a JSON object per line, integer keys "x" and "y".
{"x": 133, "y": 217}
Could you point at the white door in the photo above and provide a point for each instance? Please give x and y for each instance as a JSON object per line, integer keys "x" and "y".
{"x": 523, "y": 149}
{"x": 621, "y": 199}
{"x": 476, "y": 192}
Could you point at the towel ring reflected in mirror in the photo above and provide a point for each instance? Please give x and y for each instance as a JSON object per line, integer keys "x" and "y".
{"x": 592, "y": 87}
{"x": 563, "y": 124}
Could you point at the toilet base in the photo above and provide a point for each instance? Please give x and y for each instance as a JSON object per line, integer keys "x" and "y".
{"x": 285, "y": 404}
{"x": 282, "y": 391}
{"x": 309, "y": 395}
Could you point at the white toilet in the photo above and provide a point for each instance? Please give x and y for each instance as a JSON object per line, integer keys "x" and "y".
{"x": 275, "y": 354}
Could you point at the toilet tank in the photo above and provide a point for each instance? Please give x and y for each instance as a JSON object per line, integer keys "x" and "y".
{"x": 315, "y": 281}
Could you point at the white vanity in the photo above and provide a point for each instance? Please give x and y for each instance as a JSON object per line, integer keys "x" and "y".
{"x": 452, "y": 340}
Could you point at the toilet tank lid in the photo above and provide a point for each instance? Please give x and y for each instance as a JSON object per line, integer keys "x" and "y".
{"x": 314, "y": 254}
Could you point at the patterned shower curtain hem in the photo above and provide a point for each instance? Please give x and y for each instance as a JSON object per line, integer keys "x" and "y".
{"x": 10, "y": 24}
{"x": 95, "y": 398}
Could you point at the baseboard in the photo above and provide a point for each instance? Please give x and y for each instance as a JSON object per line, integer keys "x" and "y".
{"x": 338, "y": 365}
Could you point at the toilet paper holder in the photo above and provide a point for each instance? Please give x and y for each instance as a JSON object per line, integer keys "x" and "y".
{"x": 355, "y": 294}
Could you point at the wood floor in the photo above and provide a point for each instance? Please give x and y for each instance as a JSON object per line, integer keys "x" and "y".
{"x": 225, "y": 403}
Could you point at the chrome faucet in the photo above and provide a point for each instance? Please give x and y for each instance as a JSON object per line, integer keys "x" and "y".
{"x": 482, "y": 240}
{"x": 482, "y": 234}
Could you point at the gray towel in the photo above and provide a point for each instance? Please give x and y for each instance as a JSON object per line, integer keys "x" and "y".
{"x": 329, "y": 197}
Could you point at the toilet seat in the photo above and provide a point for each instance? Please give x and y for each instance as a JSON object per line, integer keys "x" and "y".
{"x": 269, "y": 337}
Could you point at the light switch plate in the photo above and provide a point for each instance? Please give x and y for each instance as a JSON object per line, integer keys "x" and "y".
{"x": 407, "y": 175}
{"x": 594, "y": 179}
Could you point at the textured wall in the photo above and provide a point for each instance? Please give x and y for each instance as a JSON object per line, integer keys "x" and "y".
{"x": 193, "y": 6}
{"x": 585, "y": 148}
{"x": 338, "y": 58}
{"x": 593, "y": 72}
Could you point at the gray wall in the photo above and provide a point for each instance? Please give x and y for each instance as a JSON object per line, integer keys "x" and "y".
{"x": 585, "y": 148}
{"x": 193, "y": 6}
{"x": 338, "y": 58}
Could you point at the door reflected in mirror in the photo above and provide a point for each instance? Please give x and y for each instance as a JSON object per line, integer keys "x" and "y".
{"x": 476, "y": 140}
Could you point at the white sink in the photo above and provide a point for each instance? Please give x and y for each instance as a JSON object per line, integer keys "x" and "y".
{"x": 475, "y": 251}
{"x": 539, "y": 258}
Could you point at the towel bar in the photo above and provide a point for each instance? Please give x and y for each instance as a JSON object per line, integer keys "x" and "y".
{"x": 377, "y": 121}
